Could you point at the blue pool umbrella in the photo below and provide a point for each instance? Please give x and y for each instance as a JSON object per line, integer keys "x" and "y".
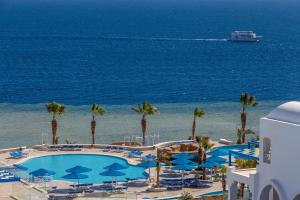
{"x": 218, "y": 152}
{"x": 210, "y": 165}
{"x": 41, "y": 172}
{"x": 216, "y": 159}
{"x": 76, "y": 176}
{"x": 112, "y": 173}
{"x": 115, "y": 166}
{"x": 149, "y": 157}
{"x": 21, "y": 167}
{"x": 181, "y": 161}
{"x": 78, "y": 169}
{"x": 148, "y": 164}
{"x": 183, "y": 156}
{"x": 184, "y": 167}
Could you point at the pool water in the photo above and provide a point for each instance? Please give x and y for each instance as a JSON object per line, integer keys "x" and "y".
{"x": 59, "y": 163}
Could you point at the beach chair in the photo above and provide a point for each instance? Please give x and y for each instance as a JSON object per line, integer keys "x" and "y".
{"x": 17, "y": 154}
{"x": 107, "y": 149}
{"x": 120, "y": 150}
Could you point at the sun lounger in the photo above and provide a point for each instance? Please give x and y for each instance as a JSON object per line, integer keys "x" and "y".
{"x": 81, "y": 185}
{"x": 17, "y": 154}
{"x": 224, "y": 141}
{"x": 107, "y": 149}
{"x": 119, "y": 150}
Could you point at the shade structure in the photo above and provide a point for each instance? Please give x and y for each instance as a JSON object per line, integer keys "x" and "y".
{"x": 21, "y": 167}
{"x": 210, "y": 164}
{"x": 115, "y": 166}
{"x": 147, "y": 164}
{"x": 216, "y": 159}
{"x": 112, "y": 173}
{"x": 183, "y": 156}
{"x": 149, "y": 157}
{"x": 181, "y": 161}
{"x": 78, "y": 169}
{"x": 41, "y": 172}
{"x": 218, "y": 152}
{"x": 184, "y": 167}
{"x": 75, "y": 176}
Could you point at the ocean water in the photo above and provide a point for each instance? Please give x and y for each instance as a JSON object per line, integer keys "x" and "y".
{"x": 30, "y": 124}
{"x": 119, "y": 53}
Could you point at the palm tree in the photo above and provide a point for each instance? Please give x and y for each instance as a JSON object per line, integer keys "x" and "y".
{"x": 198, "y": 113}
{"x": 206, "y": 145}
{"x": 242, "y": 164}
{"x": 242, "y": 133}
{"x": 96, "y": 110}
{"x": 246, "y": 100}
{"x": 55, "y": 109}
{"x": 200, "y": 149}
{"x": 144, "y": 110}
{"x": 158, "y": 167}
{"x": 239, "y": 136}
{"x": 223, "y": 172}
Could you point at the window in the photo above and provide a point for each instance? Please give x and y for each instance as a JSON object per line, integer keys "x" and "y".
{"x": 267, "y": 150}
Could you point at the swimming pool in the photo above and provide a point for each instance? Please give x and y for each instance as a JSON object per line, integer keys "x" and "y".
{"x": 59, "y": 163}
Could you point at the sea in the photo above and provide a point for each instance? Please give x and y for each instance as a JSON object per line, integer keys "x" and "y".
{"x": 119, "y": 53}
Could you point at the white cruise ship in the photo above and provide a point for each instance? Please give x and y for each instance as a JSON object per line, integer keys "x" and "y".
{"x": 244, "y": 36}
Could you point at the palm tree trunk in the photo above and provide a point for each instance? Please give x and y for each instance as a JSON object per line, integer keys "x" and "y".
{"x": 144, "y": 127}
{"x": 200, "y": 156}
{"x": 194, "y": 129}
{"x": 54, "y": 130}
{"x": 157, "y": 167}
{"x": 223, "y": 182}
{"x": 204, "y": 171}
{"x": 244, "y": 121}
{"x": 93, "y": 129}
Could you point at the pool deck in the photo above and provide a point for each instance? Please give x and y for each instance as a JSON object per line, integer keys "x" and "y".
{"x": 137, "y": 192}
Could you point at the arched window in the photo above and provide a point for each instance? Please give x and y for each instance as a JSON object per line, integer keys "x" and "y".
{"x": 269, "y": 193}
{"x": 267, "y": 150}
{"x": 297, "y": 197}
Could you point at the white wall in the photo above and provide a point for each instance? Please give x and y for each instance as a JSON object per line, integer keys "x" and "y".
{"x": 284, "y": 170}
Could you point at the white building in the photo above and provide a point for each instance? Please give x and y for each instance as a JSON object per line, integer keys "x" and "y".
{"x": 277, "y": 176}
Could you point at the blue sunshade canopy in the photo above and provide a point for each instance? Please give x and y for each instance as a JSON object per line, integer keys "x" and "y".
{"x": 183, "y": 167}
{"x": 21, "y": 167}
{"x": 147, "y": 164}
{"x": 216, "y": 159}
{"x": 112, "y": 173}
{"x": 210, "y": 164}
{"x": 78, "y": 169}
{"x": 149, "y": 157}
{"x": 181, "y": 161}
{"x": 115, "y": 166}
{"x": 76, "y": 176}
{"x": 183, "y": 156}
{"x": 42, "y": 172}
{"x": 218, "y": 152}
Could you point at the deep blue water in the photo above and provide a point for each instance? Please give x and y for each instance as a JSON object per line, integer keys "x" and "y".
{"x": 79, "y": 52}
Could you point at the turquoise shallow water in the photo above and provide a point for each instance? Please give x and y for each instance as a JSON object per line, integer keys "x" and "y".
{"x": 23, "y": 124}
{"x": 59, "y": 163}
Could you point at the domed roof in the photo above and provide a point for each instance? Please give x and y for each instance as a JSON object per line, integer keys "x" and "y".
{"x": 287, "y": 112}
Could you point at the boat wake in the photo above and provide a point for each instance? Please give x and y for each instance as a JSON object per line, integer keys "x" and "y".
{"x": 170, "y": 39}
{"x": 51, "y": 37}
